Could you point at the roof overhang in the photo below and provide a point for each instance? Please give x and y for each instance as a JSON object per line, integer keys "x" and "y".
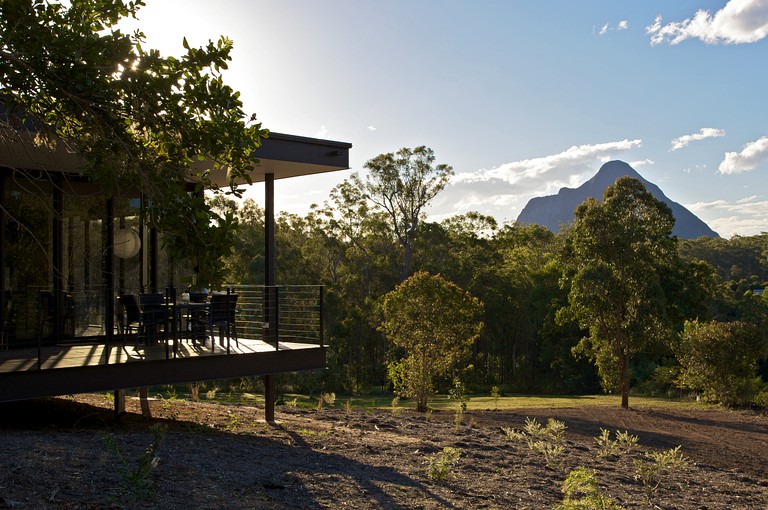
{"x": 285, "y": 156}
{"x": 22, "y": 149}
{"x": 280, "y": 154}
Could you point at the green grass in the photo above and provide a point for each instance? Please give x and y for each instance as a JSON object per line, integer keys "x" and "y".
{"x": 509, "y": 402}
{"x": 234, "y": 394}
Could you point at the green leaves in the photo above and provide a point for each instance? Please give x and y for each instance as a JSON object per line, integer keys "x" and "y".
{"x": 136, "y": 119}
{"x": 402, "y": 184}
{"x": 720, "y": 359}
{"x": 615, "y": 255}
{"x": 433, "y": 322}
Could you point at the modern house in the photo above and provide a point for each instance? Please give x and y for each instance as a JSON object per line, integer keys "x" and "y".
{"x": 68, "y": 252}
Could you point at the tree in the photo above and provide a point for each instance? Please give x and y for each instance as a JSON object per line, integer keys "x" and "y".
{"x": 403, "y": 184}
{"x": 134, "y": 118}
{"x": 245, "y": 264}
{"x": 720, "y": 359}
{"x": 433, "y": 322}
{"x": 615, "y": 253}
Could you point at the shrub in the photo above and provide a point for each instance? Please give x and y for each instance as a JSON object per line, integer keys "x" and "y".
{"x": 720, "y": 360}
{"x": 608, "y": 448}
{"x": 441, "y": 464}
{"x": 547, "y": 440}
{"x": 495, "y": 394}
{"x": 582, "y": 492}
{"x": 138, "y": 484}
{"x": 656, "y": 468}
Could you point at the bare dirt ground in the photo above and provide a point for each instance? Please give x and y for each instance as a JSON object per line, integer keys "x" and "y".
{"x": 53, "y": 455}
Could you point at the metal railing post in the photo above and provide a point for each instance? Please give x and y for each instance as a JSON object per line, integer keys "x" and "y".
{"x": 276, "y": 328}
{"x": 321, "y": 321}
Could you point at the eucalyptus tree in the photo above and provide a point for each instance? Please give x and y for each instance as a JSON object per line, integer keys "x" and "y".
{"x": 460, "y": 249}
{"x": 615, "y": 254}
{"x": 360, "y": 227}
{"x": 132, "y": 116}
{"x": 403, "y": 183}
{"x": 245, "y": 263}
{"x": 523, "y": 251}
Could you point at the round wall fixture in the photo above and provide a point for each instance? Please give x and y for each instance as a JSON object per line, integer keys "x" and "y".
{"x": 127, "y": 243}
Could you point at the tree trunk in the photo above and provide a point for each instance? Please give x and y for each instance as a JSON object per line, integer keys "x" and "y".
{"x": 624, "y": 382}
{"x": 406, "y": 261}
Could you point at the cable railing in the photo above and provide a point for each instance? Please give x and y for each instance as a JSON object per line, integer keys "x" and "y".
{"x": 284, "y": 313}
{"x": 37, "y": 319}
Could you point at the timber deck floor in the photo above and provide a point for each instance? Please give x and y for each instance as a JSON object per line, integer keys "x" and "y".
{"x": 92, "y": 354}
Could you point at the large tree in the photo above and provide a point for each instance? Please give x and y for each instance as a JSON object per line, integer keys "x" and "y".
{"x": 616, "y": 253}
{"x": 133, "y": 117}
{"x": 403, "y": 184}
{"x": 432, "y": 322}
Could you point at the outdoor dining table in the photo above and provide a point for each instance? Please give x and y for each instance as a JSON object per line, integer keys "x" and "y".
{"x": 190, "y": 321}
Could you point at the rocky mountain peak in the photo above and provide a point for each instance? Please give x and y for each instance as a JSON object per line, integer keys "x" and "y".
{"x": 555, "y": 211}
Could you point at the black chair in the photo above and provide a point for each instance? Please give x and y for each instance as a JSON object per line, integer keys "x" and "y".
{"x": 52, "y": 313}
{"x": 222, "y": 315}
{"x": 129, "y": 316}
{"x": 198, "y": 297}
{"x": 154, "y": 315}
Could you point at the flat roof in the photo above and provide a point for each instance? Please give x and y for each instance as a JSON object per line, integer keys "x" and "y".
{"x": 285, "y": 156}
{"x": 280, "y": 154}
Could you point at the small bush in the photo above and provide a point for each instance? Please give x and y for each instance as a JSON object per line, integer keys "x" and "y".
{"x": 396, "y": 409}
{"x": 325, "y": 398}
{"x": 458, "y": 392}
{"x": 608, "y": 448}
{"x": 656, "y": 468}
{"x": 544, "y": 439}
{"x": 582, "y": 492}
{"x": 138, "y": 484}
{"x": 441, "y": 464}
{"x": 554, "y": 454}
{"x": 495, "y": 394}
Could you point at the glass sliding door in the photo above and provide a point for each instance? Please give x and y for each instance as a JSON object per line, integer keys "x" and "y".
{"x": 83, "y": 252}
{"x": 28, "y": 214}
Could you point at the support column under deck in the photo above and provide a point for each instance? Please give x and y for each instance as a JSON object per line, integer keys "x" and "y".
{"x": 270, "y": 395}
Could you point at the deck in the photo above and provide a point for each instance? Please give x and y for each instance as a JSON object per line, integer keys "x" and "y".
{"x": 87, "y": 367}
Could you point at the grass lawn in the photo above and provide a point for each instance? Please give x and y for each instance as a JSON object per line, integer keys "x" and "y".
{"x": 234, "y": 394}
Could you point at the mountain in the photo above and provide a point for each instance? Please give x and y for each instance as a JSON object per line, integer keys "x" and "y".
{"x": 555, "y": 211}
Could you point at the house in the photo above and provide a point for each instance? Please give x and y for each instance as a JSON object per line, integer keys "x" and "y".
{"x": 68, "y": 253}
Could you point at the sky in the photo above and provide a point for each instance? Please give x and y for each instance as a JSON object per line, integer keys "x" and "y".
{"x": 521, "y": 98}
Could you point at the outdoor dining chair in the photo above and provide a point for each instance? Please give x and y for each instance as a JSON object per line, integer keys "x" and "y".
{"x": 129, "y": 317}
{"x": 222, "y": 315}
{"x": 154, "y": 315}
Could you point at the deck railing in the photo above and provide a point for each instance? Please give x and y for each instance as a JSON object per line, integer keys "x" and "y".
{"x": 284, "y": 313}
{"x": 273, "y": 314}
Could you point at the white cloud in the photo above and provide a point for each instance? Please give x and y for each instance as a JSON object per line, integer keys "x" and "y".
{"x": 323, "y": 133}
{"x": 514, "y": 172}
{"x": 746, "y": 216}
{"x": 503, "y": 191}
{"x": 641, "y": 162}
{"x": 621, "y": 25}
{"x": 740, "y": 21}
{"x": 703, "y": 134}
{"x": 371, "y": 128}
{"x": 752, "y": 155}
{"x": 747, "y": 200}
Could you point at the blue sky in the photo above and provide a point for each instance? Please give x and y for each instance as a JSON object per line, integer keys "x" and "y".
{"x": 520, "y": 97}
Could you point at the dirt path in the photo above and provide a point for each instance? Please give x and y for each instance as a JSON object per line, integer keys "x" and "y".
{"x": 53, "y": 455}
